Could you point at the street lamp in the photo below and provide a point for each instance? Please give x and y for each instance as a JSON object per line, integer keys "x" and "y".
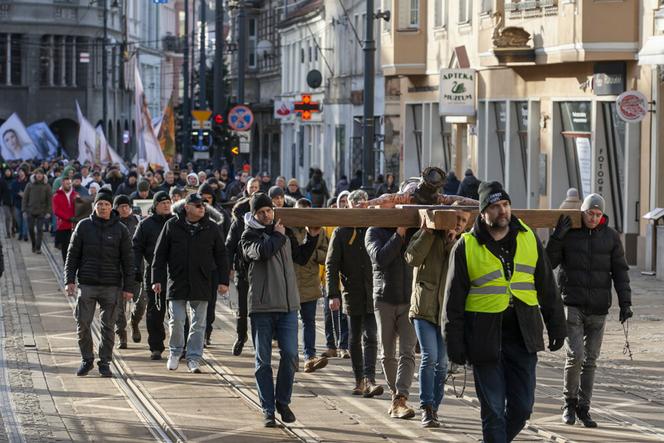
{"x": 104, "y": 59}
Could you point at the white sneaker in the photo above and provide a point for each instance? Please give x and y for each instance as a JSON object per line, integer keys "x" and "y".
{"x": 194, "y": 367}
{"x": 173, "y": 362}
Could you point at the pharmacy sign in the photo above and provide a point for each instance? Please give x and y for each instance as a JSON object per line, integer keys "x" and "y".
{"x": 457, "y": 92}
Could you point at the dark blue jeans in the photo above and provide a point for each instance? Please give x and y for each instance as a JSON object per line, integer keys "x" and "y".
{"x": 284, "y": 325}
{"x": 330, "y": 328}
{"x": 506, "y": 390}
{"x": 308, "y": 316}
{"x": 433, "y": 366}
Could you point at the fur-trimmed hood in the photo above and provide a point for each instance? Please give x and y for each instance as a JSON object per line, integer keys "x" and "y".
{"x": 178, "y": 209}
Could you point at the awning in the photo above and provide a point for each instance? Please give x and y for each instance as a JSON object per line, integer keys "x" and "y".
{"x": 652, "y": 52}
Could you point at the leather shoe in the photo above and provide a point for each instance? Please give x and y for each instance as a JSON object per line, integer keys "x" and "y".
{"x": 287, "y": 415}
{"x": 238, "y": 346}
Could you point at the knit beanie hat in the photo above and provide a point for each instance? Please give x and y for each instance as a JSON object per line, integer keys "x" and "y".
{"x": 105, "y": 195}
{"x": 275, "y": 191}
{"x": 160, "y": 197}
{"x": 206, "y": 188}
{"x": 593, "y": 201}
{"x": 490, "y": 193}
{"x": 573, "y": 193}
{"x": 259, "y": 200}
{"x": 121, "y": 200}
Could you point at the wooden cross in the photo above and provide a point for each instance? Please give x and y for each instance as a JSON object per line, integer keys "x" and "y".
{"x": 438, "y": 217}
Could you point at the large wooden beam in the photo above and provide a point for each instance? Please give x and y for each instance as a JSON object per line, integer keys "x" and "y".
{"x": 409, "y": 217}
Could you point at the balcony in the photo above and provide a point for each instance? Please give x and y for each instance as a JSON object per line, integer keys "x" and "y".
{"x": 566, "y": 31}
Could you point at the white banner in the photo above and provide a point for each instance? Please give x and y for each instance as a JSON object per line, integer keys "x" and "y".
{"x": 87, "y": 139}
{"x": 15, "y": 142}
{"x": 107, "y": 154}
{"x": 457, "y": 92}
{"x": 149, "y": 149}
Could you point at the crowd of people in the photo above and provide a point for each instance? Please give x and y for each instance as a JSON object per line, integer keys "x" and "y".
{"x": 473, "y": 295}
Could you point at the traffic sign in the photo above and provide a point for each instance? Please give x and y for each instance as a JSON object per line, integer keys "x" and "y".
{"x": 195, "y": 124}
{"x": 201, "y": 114}
{"x": 235, "y": 150}
{"x": 240, "y": 118}
{"x": 84, "y": 57}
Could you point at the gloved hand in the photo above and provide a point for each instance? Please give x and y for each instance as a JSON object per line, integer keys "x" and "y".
{"x": 625, "y": 313}
{"x": 563, "y": 226}
{"x": 556, "y": 343}
{"x": 457, "y": 356}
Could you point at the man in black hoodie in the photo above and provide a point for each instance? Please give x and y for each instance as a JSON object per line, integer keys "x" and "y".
{"x": 99, "y": 258}
{"x": 144, "y": 244}
{"x": 469, "y": 186}
{"x": 590, "y": 259}
{"x": 499, "y": 287}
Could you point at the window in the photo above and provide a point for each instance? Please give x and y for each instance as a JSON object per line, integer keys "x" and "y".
{"x": 439, "y": 13}
{"x": 10, "y": 59}
{"x": 252, "y": 42}
{"x": 414, "y": 16}
{"x": 487, "y": 7}
{"x": 465, "y": 11}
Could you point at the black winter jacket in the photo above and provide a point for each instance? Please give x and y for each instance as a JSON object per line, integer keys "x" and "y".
{"x": 392, "y": 276}
{"x": 479, "y": 335}
{"x": 347, "y": 259}
{"x": 469, "y": 187}
{"x": 99, "y": 254}
{"x": 145, "y": 242}
{"x": 589, "y": 260}
{"x": 188, "y": 257}
{"x": 235, "y": 257}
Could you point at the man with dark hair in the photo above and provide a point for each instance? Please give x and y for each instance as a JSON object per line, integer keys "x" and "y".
{"x": 99, "y": 258}
{"x": 499, "y": 287}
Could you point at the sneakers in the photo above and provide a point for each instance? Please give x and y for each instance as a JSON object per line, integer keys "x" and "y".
{"x": 172, "y": 363}
{"x": 569, "y": 411}
{"x": 287, "y": 415}
{"x": 238, "y": 346}
{"x": 155, "y": 355}
{"x": 122, "y": 335}
{"x": 345, "y": 353}
{"x": 86, "y": 366}
{"x": 268, "y": 420}
{"x": 105, "y": 370}
{"x": 583, "y": 412}
{"x": 315, "y": 363}
{"x": 371, "y": 389}
{"x": 400, "y": 409}
{"x": 194, "y": 367}
{"x": 429, "y": 419}
{"x": 359, "y": 387}
{"x": 330, "y": 353}
{"x": 135, "y": 333}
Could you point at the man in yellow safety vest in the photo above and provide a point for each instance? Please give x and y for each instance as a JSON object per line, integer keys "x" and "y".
{"x": 499, "y": 282}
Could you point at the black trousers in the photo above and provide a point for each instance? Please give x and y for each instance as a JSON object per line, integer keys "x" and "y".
{"x": 154, "y": 319}
{"x": 242, "y": 295}
{"x": 62, "y": 238}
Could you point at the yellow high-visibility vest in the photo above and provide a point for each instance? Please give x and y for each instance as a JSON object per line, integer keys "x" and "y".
{"x": 490, "y": 291}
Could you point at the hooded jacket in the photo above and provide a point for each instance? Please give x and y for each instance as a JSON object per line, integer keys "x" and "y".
{"x": 187, "y": 256}
{"x": 469, "y": 187}
{"x": 58, "y": 181}
{"x": 270, "y": 257}
{"x": 235, "y": 256}
{"x": 479, "y": 335}
{"x": 37, "y": 197}
{"x": 145, "y": 242}
{"x": 392, "y": 276}
{"x": 127, "y": 189}
{"x": 64, "y": 209}
{"x": 100, "y": 254}
{"x": 589, "y": 260}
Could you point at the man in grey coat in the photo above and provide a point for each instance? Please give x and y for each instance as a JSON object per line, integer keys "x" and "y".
{"x": 270, "y": 250}
{"x": 37, "y": 207}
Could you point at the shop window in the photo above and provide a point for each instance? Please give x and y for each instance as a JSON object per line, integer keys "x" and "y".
{"x": 417, "y": 132}
{"x": 340, "y": 149}
{"x": 448, "y": 144}
{"x": 611, "y": 163}
{"x": 576, "y": 118}
{"x": 500, "y": 113}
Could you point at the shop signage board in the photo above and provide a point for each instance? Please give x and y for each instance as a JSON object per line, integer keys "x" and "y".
{"x": 632, "y": 106}
{"x": 609, "y": 78}
{"x": 284, "y": 109}
{"x": 457, "y": 92}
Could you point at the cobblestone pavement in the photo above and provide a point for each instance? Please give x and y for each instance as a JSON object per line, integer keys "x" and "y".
{"x": 44, "y": 401}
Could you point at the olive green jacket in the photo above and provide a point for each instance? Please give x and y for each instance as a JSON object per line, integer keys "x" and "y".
{"x": 428, "y": 253}
{"x": 308, "y": 276}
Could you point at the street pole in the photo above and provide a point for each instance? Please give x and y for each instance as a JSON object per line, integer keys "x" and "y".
{"x": 186, "y": 111}
{"x": 218, "y": 104}
{"x": 104, "y": 71}
{"x": 202, "y": 66}
{"x": 242, "y": 53}
{"x": 369, "y": 77}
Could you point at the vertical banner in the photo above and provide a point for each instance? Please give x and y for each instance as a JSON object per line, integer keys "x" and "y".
{"x": 149, "y": 150}
{"x": 15, "y": 142}
{"x": 166, "y": 132}
{"x": 87, "y": 138}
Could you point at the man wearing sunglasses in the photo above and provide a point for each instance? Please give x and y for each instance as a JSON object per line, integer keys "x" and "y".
{"x": 590, "y": 259}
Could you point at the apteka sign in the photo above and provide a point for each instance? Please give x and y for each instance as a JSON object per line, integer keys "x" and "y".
{"x": 457, "y": 92}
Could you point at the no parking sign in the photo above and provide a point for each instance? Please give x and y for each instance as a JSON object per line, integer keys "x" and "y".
{"x": 240, "y": 118}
